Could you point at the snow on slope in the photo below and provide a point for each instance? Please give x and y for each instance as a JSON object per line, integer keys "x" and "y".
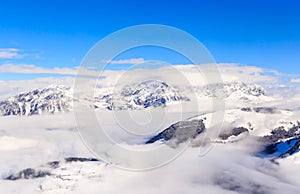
{"x": 147, "y": 94}
{"x": 47, "y": 100}
{"x": 143, "y": 95}
{"x": 261, "y": 120}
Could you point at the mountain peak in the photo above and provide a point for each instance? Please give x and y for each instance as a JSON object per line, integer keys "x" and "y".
{"x": 55, "y": 98}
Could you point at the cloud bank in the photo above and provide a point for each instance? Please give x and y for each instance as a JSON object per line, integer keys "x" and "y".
{"x": 178, "y": 74}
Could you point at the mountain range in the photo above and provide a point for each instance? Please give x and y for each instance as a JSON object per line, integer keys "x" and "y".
{"x": 59, "y": 98}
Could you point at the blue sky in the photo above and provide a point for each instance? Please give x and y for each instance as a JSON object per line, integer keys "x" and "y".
{"x": 59, "y": 33}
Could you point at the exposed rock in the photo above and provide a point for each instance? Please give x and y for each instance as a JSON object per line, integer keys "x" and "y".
{"x": 265, "y": 110}
{"x": 293, "y": 149}
{"x": 284, "y": 148}
{"x": 280, "y": 134}
{"x": 281, "y": 143}
{"x": 76, "y": 159}
{"x": 233, "y": 132}
{"x": 28, "y": 173}
{"x": 180, "y": 132}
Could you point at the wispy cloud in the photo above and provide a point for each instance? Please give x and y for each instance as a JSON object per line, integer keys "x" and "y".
{"x": 126, "y": 61}
{"x": 229, "y": 72}
{"x": 33, "y": 69}
{"x": 295, "y": 80}
{"x": 10, "y": 53}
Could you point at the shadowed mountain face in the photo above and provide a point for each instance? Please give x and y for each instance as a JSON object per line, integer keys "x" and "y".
{"x": 180, "y": 132}
{"x": 282, "y": 142}
{"x": 283, "y": 149}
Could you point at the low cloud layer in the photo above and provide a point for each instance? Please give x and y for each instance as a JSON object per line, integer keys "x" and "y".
{"x": 175, "y": 75}
{"x": 226, "y": 168}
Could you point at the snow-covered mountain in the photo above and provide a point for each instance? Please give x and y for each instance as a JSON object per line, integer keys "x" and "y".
{"x": 259, "y": 121}
{"x": 279, "y": 134}
{"x": 60, "y": 99}
{"x": 54, "y": 99}
{"x": 234, "y": 90}
{"x": 51, "y": 99}
{"x": 143, "y": 95}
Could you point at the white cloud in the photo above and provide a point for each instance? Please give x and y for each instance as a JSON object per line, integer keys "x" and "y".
{"x": 247, "y": 74}
{"x": 33, "y": 69}
{"x": 176, "y": 75}
{"x": 10, "y": 53}
{"x": 295, "y": 80}
{"x": 126, "y": 61}
{"x": 196, "y": 74}
{"x": 14, "y": 87}
{"x": 203, "y": 74}
{"x": 225, "y": 169}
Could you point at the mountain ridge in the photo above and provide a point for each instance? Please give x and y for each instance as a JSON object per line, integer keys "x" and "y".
{"x": 59, "y": 98}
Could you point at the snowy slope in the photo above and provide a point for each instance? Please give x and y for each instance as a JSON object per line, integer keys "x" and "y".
{"x": 47, "y": 100}
{"x": 259, "y": 120}
{"x": 143, "y": 95}
{"x": 139, "y": 96}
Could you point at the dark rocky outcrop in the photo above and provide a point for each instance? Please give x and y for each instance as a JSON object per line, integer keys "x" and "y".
{"x": 284, "y": 148}
{"x": 180, "y": 132}
{"x": 264, "y": 110}
{"x": 28, "y": 173}
{"x": 233, "y": 132}
{"x": 281, "y": 143}
{"x": 280, "y": 134}
{"x": 76, "y": 159}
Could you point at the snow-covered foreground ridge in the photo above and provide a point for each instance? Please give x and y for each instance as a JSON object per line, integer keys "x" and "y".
{"x": 59, "y": 98}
